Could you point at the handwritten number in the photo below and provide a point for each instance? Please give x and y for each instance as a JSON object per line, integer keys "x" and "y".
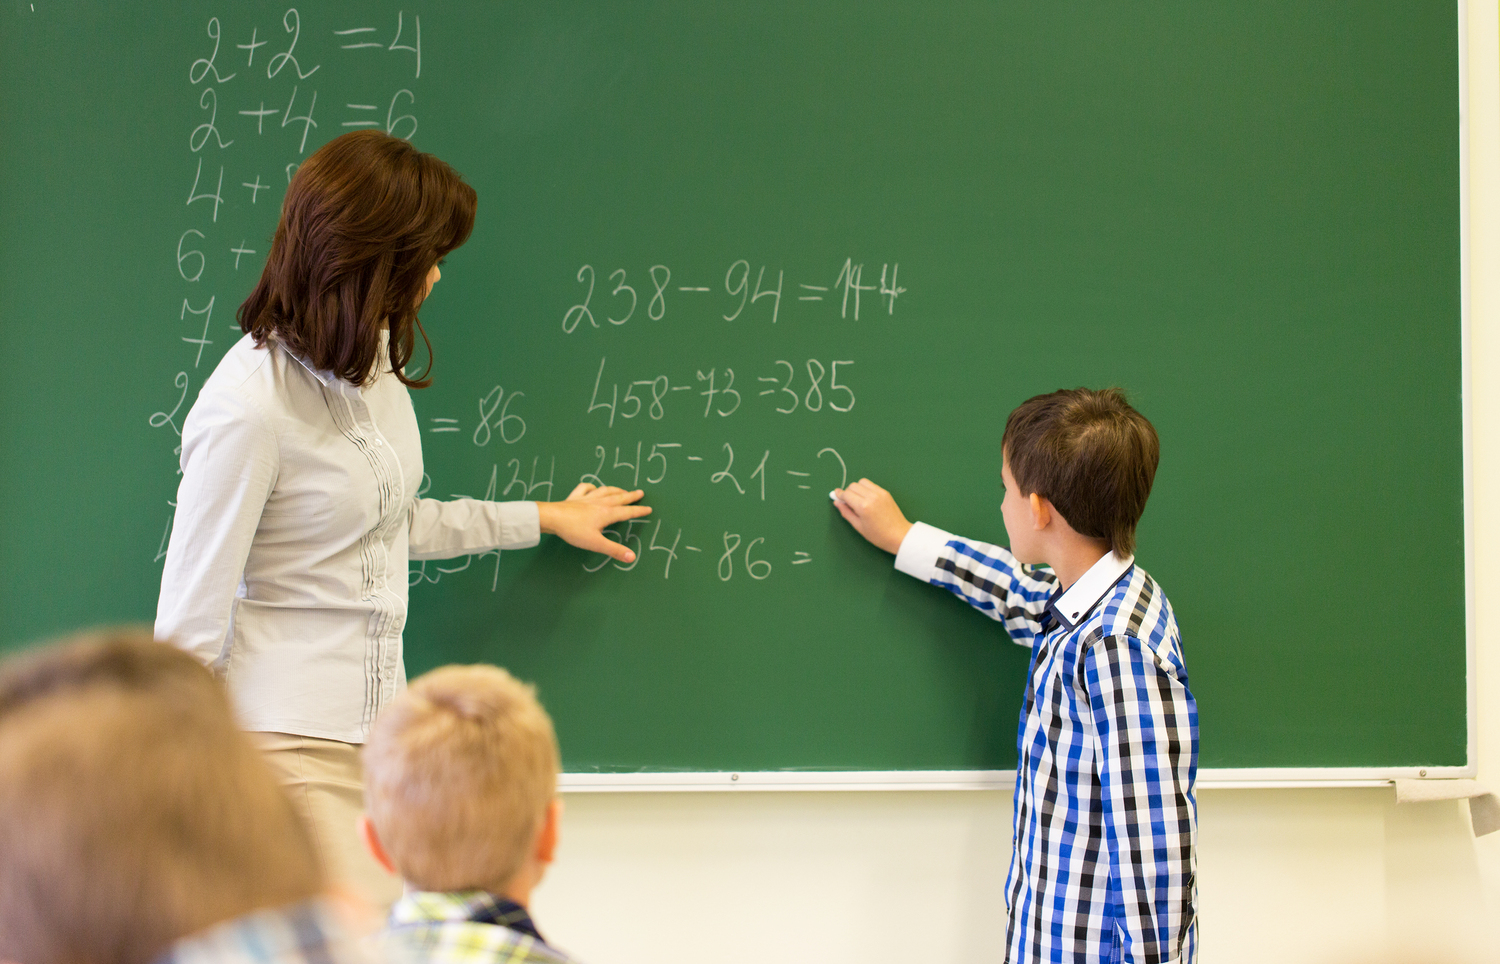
{"x": 760, "y": 470}
{"x": 622, "y": 286}
{"x": 629, "y": 535}
{"x": 508, "y": 419}
{"x": 671, "y": 550}
{"x": 515, "y": 479}
{"x": 579, "y": 312}
{"x": 892, "y": 291}
{"x": 306, "y": 119}
{"x": 392, "y": 120}
{"x": 633, "y": 466}
{"x": 726, "y": 561}
{"x": 204, "y": 65}
{"x": 184, "y": 255}
{"x": 209, "y": 101}
{"x": 834, "y": 386}
{"x": 730, "y": 390}
{"x": 660, "y": 455}
{"x": 720, "y": 476}
{"x": 169, "y": 418}
{"x": 844, "y": 469}
{"x": 593, "y": 477}
{"x": 750, "y": 566}
{"x": 659, "y": 388}
{"x": 614, "y": 397}
{"x": 397, "y": 45}
{"x": 742, "y": 289}
{"x": 791, "y": 373}
{"x": 487, "y": 406}
{"x": 658, "y": 307}
{"x": 216, "y": 196}
{"x": 816, "y": 391}
{"x": 768, "y": 293}
{"x": 293, "y": 25}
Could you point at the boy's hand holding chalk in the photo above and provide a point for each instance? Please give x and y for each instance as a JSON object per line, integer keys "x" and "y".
{"x": 873, "y": 514}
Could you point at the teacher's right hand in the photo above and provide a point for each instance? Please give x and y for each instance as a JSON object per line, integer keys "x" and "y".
{"x": 581, "y": 519}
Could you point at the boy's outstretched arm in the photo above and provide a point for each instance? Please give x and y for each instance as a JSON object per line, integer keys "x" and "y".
{"x": 873, "y": 513}
{"x": 985, "y": 576}
{"x": 1145, "y": 721}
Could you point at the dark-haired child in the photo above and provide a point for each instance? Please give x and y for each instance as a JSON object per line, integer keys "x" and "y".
{"x": 1105, "y": 814}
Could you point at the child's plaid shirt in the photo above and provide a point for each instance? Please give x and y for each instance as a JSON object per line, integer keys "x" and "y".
{"x": 464, "y": 927}
{"x": 1105, "y": 814}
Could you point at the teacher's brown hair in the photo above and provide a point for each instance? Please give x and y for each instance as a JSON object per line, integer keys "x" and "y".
{"x": 364, "y": 221}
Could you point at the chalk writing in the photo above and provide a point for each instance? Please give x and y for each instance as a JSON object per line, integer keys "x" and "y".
{"x": 849, "y": 288}
{"x": 232, "y": 123}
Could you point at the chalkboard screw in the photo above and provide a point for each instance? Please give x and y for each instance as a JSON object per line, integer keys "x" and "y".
{"x": 736, "y": 776}
{"x": 1422, "y": 773}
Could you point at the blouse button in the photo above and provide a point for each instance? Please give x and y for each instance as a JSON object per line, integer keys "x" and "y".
{"x": 380, "y": 441}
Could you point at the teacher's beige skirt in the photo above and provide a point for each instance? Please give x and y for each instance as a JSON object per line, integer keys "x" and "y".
{"x": 326, "y": 785}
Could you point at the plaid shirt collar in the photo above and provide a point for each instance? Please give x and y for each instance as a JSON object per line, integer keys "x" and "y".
{"x": 1071, "y": 607}
{"x": 478, "y": 906}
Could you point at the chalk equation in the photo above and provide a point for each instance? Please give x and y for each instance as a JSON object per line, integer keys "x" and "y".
{"x": 748, "y": 556}
{"x": 810, "y": 387}
{"x": 624, "y": 301}
{"x": 716, "y": 386}
{"x": 630, "y": 467}
{"x": 630, "y": 470}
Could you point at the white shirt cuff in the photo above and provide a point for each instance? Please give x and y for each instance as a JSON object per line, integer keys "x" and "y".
{"x": 523, "y": 527}
{"x": 920, "y": 551}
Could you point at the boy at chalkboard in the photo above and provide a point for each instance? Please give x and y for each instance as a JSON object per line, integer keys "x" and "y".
{"x": 461, "y": 797}
{"x": 1105, "y": 814}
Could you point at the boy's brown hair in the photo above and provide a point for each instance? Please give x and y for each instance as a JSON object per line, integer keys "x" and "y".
{"x": 1088, "y": 453}
{"x": 132, "y": 810}
{"x": 459, "y": 771}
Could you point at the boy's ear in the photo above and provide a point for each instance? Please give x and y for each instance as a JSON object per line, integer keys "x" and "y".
{"x": 546, "y": 840}
{"x": 372, "y": 843}
{"x": 1041, "y": 511}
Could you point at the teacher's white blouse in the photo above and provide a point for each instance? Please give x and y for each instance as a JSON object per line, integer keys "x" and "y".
{"x": 296, "y": 515}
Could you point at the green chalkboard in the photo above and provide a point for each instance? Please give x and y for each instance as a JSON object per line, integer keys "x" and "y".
{"x": 731, "y": 252}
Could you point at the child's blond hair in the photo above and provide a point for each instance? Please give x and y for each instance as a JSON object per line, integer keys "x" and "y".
{"x": 459, "y": 772}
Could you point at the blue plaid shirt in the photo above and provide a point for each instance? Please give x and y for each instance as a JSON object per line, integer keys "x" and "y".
{"x": 1103, "y": 867}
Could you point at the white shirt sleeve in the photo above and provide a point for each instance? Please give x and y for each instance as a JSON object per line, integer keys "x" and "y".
{"x": 920, "y": 551}
{"x": 442, "y": 530}
{"x": 230, "y": 460}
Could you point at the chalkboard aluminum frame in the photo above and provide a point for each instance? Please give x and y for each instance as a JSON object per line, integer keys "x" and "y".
{"x": 1221, "y": 778}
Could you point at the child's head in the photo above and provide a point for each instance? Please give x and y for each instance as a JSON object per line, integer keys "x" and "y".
{"x": 133, "y": 811}
{"x": 1088, "y": 453}
{"x": 460, "y": 777}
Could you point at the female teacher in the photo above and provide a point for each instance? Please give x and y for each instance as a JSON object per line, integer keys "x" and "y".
{"x": 301, "y": 460}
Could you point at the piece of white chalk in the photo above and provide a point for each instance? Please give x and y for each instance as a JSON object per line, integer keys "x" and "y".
{"x": 835, "y": 498}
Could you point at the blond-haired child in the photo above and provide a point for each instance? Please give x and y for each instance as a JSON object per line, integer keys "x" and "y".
{"x": 461, "y": 800}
